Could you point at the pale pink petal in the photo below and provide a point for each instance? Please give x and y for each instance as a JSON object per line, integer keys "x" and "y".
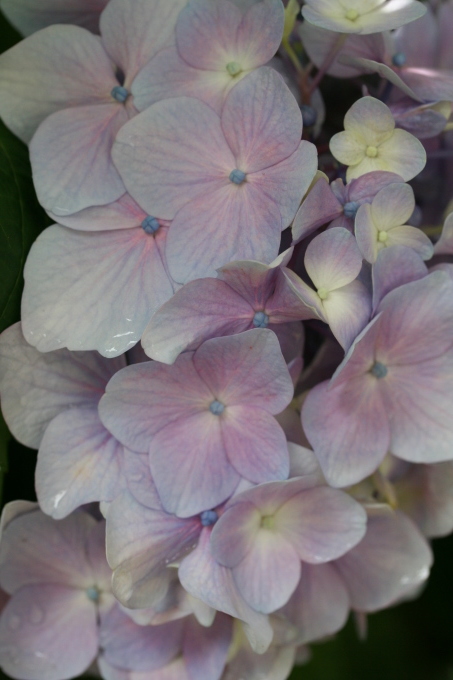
{"x": 163, "y": 157}
{"x": 57, "y": 68}
{"x": 366, "y": 233}
{"x": 140, "y": 648}
{"x": 333, "y": 259}
{"x": 124, "y": 213}
{"x": 293, "y": 299}
{"x": 261, "y": 121}
{"x": 255, "y": 444}
{"x": 260, "y": 32}
{"x": 190, "y": 466}
{"x": 321, "y": 523}
{"x": 230, "y": 223}
{"x": 291, "y": 338}
{"x": 139, "y": 480}
{"x": 419, "y": 40}
{"x": 393, "y": 268}
{"x": 252, "y": 280}
{"x": 269, "y": 573}
{"x": 445, "y": 19}
{"x": 244, "y": 368}
{"x": 371, "y": 66}
{"x": 29, "y": 16}
{"x": 141, "y": 543}
{"x": 79, "y": 462}
{"x": 70, "y": 157}
{"x": 348, "y": 429}
{"x": 235, "y": 532}
{"x": 176, "y": 670}
{"x": 133, "y": 32}
{"x": 347, "y": 311}
{"x": 429, "y": 84}
{"x": 48, "y": 632}
{"x": 205, "y": 650}
{"x": 201, "y": 576}
{"x": 320, "y": 604}
{"x": 145, "y": 397}
{"x": 201, "y": 310}
{"x": 320, "y": 206}
{"x": 36, "y": 387}
{"x": 364, "y": 188}
{"x": 393, "y": 206}
{"x": 391, "y": 560}
{"x": 88, "y": 290}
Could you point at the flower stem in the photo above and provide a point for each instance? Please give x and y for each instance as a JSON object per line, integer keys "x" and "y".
{"x": 328, "y": 61}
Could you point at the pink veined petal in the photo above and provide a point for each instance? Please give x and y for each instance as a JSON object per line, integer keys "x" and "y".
{"x": 347, "y": 311}
{"x": 244, "y": 368}
{"x": 88, "y": 290}
{"x": 348, "y": 427}
{"x": 167, "y": 75}
{"x": 133, "y": 32}
{"x": 261, "y": 121}
{"x": 139, "y": 480}
{"x": 235, "y": 532}
{"x": 29, "y": 16}
{"x": 48, "y": 632}
{"x": 269, "y": 573}
{"x": 287, "y": 305}
{"x": 70, "y": 157}
{"x": 37, "y": 550}
{"x": 228, "y": 223}
{"x": 320, "y": 604}
{"x": 393, "y": 268}
{"x": 58, "y": 68}
{"x": 260, "y": 33}
{"x": 124, "y": 213}
{"x": 205, "y": 650}
{"x": 333, "y": 259}
{"x": 319, "y": 207}
{"x": 141, "y": 543}
{"x": 125, "y": 644}
{"x": 79, "y": 462}
{"x": 202, "y": 577}
{"x": 364, "y": 188}
{"x": 36, "y": 387}
{"x": 307, "y": 296}
{"x": 146, "y": 397}
{"x": 321, "y": 523}
{"x": 391, "y": 560}
{"x": 255, "y": 444}
{"x": 163, "y": 157}
{"x": 200, "y": 310}
{"x": 190, "y": 466}
{"x": 291, "y": 337}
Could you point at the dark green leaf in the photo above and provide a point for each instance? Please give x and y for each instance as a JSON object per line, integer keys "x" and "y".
{"x": 8, "y": 35}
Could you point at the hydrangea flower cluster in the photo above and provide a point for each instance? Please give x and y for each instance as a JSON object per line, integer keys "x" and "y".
{"x": 208, "y": 503}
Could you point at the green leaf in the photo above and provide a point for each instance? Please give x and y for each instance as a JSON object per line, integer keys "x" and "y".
{"x": 8, "y": 35}
{"x": 21, "y": 220}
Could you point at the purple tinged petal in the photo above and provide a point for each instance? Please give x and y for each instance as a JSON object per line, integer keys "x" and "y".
{"x": 412, "y": 237}
{"x": 141, "y": 543}
{"x": 163, "y": 158}
{"x": 419, "y": 40}
{"x": 246, "y": 368}
{"x": 234, "y": 534}
{"x": 393, "y": 205}
{"x": 364, "y": 188}
{"x": 333, "y": 259}
{"x": 347, "y": 311}
{"x": 48, "y": 632}
{"x": 366, "y": 233}
{"x": 319, "y": 207}
{"x": 261, "y": 121}
{"x": 286, "y": 304}
{"x": 139, "y": 480}
{"x": 124, "y": 213}
{"x": 133, "y": 32}
{"x": 202, "y": 309}
{"x": 320, "y": 604}
{"x": 260, "y": 32}
{"x": 140, "y": 648}
{"x": 52, "y": 70}
{"x": 29, "y": 16}
{"x": 445, "y": 22}
{"x": 390, "y": 562}
{"x": 321, "y": 524}
{"x": 68, "y": 272}
{"x": 429, "y": 84}
{"x": 78, "y": 462}
{"x": 253, "y": 281}
{"x": 369, "y": 65}
{"x": 36, "y": 387}
{"x": 393, "y": 268}
{"x": 176, "y": 670}
{"x": 205, "y": 650}
{"x": 202, "y": 577}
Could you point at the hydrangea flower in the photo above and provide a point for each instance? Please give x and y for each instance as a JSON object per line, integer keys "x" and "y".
{"x": 96, "y": 284}
{"x": 61, "y": 610}
{"x": 73, "y": 116}
{"x": 207, "y": 420}
{"x": 230, "y": 184}
{"x": 29, "y": 16}
{"x": 444, "y": 245}
{"x": 217, "y": 44}
{"x": 384, "y": 223}
{"x": 361, "y": 16}
{"x": 337, "y": 203}
{"x": 391, "y": 392}
{"x": 245, "y": 295}
{"x": 50, "y": 402}
{"x": 333, "y": 262}
{"x": 371, "y": 142}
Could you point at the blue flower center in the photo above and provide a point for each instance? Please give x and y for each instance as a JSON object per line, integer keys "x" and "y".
{"x": 208, "y": 518}
{"x": 261, "y": 320}
{"x": 150, "y": 225}
{"x": 93, "y": 594}
{"x": 399, "y": 59}
{"x": 350, "y": 209}
{"x": 237, "y": 176}
{"x": 216, "y": 407}
{"x": 120, "y": 93}
{"x": 379, "y": 370}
